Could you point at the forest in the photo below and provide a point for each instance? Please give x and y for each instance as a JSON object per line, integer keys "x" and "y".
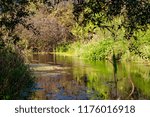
{"x": 107, "y": 35}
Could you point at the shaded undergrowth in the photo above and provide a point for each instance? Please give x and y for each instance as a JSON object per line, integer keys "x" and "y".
{"x": 16, "y": 80}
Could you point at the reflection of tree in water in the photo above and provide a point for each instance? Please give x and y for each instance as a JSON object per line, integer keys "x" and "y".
{"x": 135, "y": 94}
{"x": 85, "y": 82}
{"x": 85, "y": 79}
{"x": 130, "y": 91}
{"x": 113, "y": 90}
{"x": 116, "y": 93}
{"x": 127, "y": 87}
{"x": 59, "y": 86}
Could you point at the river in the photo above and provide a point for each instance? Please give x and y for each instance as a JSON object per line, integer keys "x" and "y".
{"x": 61, "y": 77}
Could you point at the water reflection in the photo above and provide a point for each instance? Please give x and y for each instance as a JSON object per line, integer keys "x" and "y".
{"x": 61, "y": 77}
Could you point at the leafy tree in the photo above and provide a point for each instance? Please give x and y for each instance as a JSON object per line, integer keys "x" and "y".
{"x": 53, "y": 26}
{"x": 12, "y": 13}
{"x": 130, "y": 16}
{"x": 15, "y": 76}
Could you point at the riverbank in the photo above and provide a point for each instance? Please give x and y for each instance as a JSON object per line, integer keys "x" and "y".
{"x": 101, "y": 45}
{"x": 95, "y": 51}
{"x": 16, "y": 79}
{"x": 68, "y": 54}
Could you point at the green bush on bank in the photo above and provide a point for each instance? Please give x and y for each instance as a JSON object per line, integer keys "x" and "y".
{"x": 101, "y": 49}
{"x": 97, "y": 50}
{"x": 16, "y": 79}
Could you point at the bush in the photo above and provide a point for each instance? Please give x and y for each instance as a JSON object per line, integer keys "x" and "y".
{"x": 16, "y": 79}
{"x": 96, "y": 50}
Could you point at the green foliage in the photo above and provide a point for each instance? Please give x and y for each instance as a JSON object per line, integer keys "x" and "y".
{"x": 102, "y": 45}
{"x": 63, "y": 13}
{"x": 78, "y": 32}
{"x": 83, "y": 33}
{"x": 16, "y": 80}
{"x": 12, "y": 13}
{"x": 62, "y": 47}
{"x": 135, "y": 14}
{"x": 100, "y": 81}
{"x": 98, "y": 50}
{"x": 123, "y": 19}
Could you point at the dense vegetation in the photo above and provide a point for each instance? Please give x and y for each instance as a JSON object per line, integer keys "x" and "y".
{"x": 112, "y": 27}
{"x": 90, "y": 29}
{"x": 93, "y": 29}
{"x": 16, "y": 80}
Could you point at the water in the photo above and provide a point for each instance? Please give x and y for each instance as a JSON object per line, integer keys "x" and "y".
{"x": 70, "y": 78}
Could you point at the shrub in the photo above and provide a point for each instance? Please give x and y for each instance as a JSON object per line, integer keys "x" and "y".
{"x": 15, "y": 77}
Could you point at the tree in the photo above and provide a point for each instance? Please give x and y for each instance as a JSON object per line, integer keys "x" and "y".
{"x": 53, "y": 26}
{"x": 130, "y": 16}
{"x": 134, "y": 14}
{"x": 15, "y": 75}
{"x": 12, "y": 13}
{"x": 115, "y": 15}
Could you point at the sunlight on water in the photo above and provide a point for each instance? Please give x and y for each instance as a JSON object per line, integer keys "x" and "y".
{"x": 62, "y": 77}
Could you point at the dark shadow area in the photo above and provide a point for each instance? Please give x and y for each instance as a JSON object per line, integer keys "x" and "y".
{"x": 16, "y": 80}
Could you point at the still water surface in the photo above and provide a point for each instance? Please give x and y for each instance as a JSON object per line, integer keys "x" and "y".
{"x": 66, "y": 78}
